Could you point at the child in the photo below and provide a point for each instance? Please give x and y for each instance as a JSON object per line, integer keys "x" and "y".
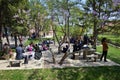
{"x": 105, "y": 49}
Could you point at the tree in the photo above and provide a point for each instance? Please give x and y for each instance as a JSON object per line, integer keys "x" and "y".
{"x": 93, "y": 14}
{"x": 39, "y": 15}
{"x": 102, "y": 12}
{"x": 5, "y": 15}
{"x": 7, "y": 11}
{"x": 19, "y": 21}
{"x": 60, "y": 12}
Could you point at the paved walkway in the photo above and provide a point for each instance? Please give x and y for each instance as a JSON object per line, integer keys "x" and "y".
{"x": 74, "y": 63}
{"x": 46, "y": 62}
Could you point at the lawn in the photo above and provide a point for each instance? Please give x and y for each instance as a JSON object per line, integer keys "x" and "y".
{"x": 84, "y": 73}
{"x": 113, "y": 53}
{"x": 114, "y": 39}
{"x": 31, "y": 40}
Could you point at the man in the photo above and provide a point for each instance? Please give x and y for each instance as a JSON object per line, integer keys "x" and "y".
{"x": 19, "y": 52}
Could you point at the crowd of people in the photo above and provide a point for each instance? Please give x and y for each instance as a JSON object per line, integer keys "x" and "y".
{"x": 27, "y": 53}
{"x": 32, "y": 50}
{"x": 78, "y": 44}
{"x": 82, "y": 42}
{"x": 85, "y": 43}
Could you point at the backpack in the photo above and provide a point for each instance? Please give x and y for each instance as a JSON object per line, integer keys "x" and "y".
{"x": 37, "y": 55}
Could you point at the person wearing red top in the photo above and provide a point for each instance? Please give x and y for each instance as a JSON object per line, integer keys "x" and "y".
{"x": 104, "y": 49}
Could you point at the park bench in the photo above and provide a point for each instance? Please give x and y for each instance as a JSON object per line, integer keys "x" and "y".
{"x": 77, "y": 54}
{"x": 87, "y": 52}
{"x": 98, "y": 53}
{"x": 15, "y": 63}
{"x": 91, "y": 57}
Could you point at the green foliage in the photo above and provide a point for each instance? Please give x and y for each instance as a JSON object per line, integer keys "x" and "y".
{"x": 59, "y": 30}
{"x": 77, "y": 31}
{"x": 8, "y": 10}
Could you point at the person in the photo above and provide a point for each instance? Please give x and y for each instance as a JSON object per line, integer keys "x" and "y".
{"x": 80, "y": 44}
{"x": 48, "y": 43}
{"x": 105, "y": 49}
{"x": 91, "y": 40}
{"x": 36, "y": 47}
{"x": 30, "y": 47}
{"x": 65, "y": 49}
{"x": 44, "y": 47}
{"x": 75, "y": 48}
{"x": 38, "y": 53}
{"x": 11, "y": 55}
{"x": 19, "y": 52}
{"x": 85, "y": 39}
{"x": 6, "y": 49}
{"x": 31, "y": 50}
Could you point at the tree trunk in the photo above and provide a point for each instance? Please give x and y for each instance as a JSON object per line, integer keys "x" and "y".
{"x": 20, "y": 39}
{"x": 7, "y": 38}
{"x": 68, "y": 32}
{"x": 15, "y": 37}
{"x": 63, "y": 58}
{"x": 59, "y": 47}
{"x": 0, "y": 38}
{"x": 95, "y": 37}
{"x": 68, "y": 36}
{"x": 95, "y": 33}
{"x": 6, "y": 35}
{"x": 0, "y": 30}
{"x": 53, "y": 56}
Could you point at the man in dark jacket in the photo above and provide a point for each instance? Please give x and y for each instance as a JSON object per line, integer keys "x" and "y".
{"x": 19, "y": 52}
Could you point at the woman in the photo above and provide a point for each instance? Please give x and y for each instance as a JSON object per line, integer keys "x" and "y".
{"x": 105, "y": 49}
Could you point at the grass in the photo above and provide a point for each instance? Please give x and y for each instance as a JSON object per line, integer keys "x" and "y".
{"x": 113, "y": 53}
{"x": 84, "y": 73}
{"x": 31, "y": 40}
{"x": 35, "y": 41}
{"x": 112, "y": 38}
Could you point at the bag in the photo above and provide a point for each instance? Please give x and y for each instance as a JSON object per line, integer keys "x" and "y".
{"x": 37, "y": 55}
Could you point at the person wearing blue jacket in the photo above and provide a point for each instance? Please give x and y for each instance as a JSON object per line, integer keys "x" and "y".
{"x": 19, "y": 52}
